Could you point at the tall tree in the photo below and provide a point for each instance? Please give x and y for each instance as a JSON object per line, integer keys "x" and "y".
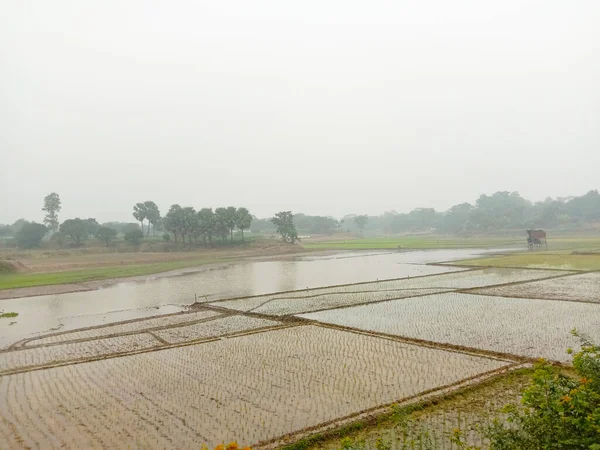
{"x": 284, "y": 222}
{"x": 190, "y": 224}
{"x": 222, "y": 223}
{"x": 206, "y": 219}
{"x": 231, "y": 219}
{"x": 140, "y": 212}
{"x": 52, "y": 207}
{"x": 243, "y": 220}
{"x": 30, "y": 235}
{"x": 173, "y": 222}
{"x": 153, "y": 216}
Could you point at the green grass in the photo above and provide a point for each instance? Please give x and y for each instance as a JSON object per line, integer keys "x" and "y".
{"x": 539, "y": 260}
{"x": 19, "y": 280}
{"x": 441, "y": 242}
{"x": 472, "y": 399}
{"x": 416, "y": 242}
{"x": 8, "y": 315}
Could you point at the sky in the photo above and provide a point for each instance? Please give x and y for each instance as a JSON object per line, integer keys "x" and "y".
{"x": 324, "y": 107}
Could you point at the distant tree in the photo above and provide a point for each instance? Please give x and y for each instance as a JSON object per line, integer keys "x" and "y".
{"x": 92, "y": 226}
{"x": 122, "y": 227}
{"x": 174, "y": 222}
{"x": 190, "y": 224}
{"x": 52, "y": 207}
{"x": 5, "y": 231}
{"x": 134, "y": 237}
{"x": 284, "y": 222}
{"x": 207, "y": 224}
{"x": 586, "y": 207}
{"x": 361, "y": 222}
{"x": 456, "y": 219}
{"x": 262, "y": 225}
{"x": 243, "y": 220}
{"x": 30, "y": 235}
{"x": 231, "y": 219}
{"x": 15, "y": 227}
{"x": 153, "y": 216}
{"x": 222, "y": 223}
{"x": 106, "y": 234}
{"x": 140, "y": 212}
{"x": 166, "y": 237}
{"x": 75, "y": 229}
{"x": 58, "y": 239}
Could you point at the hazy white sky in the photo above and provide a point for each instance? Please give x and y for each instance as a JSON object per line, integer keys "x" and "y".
{"x": 318, "y": 106}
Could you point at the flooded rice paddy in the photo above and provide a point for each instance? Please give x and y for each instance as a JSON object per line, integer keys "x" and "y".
{"x": 523, "y": 327}
{"x": 273, "y": 363}
{"x": 297, "y": 378}
{"x": 165, "y": 295}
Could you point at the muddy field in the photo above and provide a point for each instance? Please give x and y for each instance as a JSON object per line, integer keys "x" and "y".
{"x": 270, "y": 368}
{"x": 296, "y": 378}
{"x": 523, "y": 327}
{"x": 578, "y": 288}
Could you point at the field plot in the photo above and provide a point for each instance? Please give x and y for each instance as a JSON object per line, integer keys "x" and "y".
{"x": 19, "y": 359}
{"x": 217, "y": 327}
{"x": 530, "y": 328}
{"x": 584, "y": 287}
{"x": 131, "y": 327}
{"x": 308, "y": 300}
{"x": 251, "y": 388}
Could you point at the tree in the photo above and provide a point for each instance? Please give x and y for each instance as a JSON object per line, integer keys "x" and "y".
{"x": 140, "y": 212}
{"x": 106, "y": 234}
{"x": 174, "y": 222}
{"x": 284, "y": 222}
{"x": 191, "y": 227}
{"x": 221, "y": 223}
{"x": 457, "y": 218}
{"x": 153, "y": 216}
{"x": 5, "y": 230}
{"x": 92, "y": 226}
{"x": 52, "y": 207}
{"x": 230, "y": 219}
{"x": 361, "y": 222}
{"x": 75, "y": 229}
{"x": 207, "y": 224}
{"x": 560, "y": 411}
{"x": 243, "y": 220}
{"x": 134, "y": 237}
{"x": 30, "y": 235}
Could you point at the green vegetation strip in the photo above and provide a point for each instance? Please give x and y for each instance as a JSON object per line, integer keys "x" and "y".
{"x": 20, "y": 280}
{"x": 470, "y": 399}
{"x": 539, "y": 261}
{"x": 417, "y": 242}
{"x": 8, "y": 315}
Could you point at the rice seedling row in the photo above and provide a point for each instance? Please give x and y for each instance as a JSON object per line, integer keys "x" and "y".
{"x": 251, "y": 388}
{"x": 528, "y": 328}
{"x": 131, "y": 327}
{"x": 584, "y": 287}
{"x": 19, "y": 359}
{"x": 217, "y": 327}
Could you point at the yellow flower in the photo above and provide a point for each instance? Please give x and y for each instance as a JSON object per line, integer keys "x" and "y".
{"x": 232, "y": 446}
{"x": 565, "y": 399}
{"x": 220, "y": 447}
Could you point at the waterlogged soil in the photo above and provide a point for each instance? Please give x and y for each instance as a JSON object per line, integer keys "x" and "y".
{"x": 161, "y": 294}
{"x": 582, "y": 288}
{"x": 20, "y": 359}
{"x": 308, "y": 300}
{"x": 249, "y": 389}
{"x": 523, "y": 327}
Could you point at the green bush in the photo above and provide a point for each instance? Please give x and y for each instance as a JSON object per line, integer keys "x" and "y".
{"x": 6, "y": 267}
{"x": 559, "y": 411}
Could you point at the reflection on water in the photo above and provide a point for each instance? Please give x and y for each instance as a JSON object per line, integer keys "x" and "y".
{"x": 130, "y": 300}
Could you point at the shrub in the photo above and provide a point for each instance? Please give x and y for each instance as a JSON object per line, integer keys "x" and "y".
{"x": 134, "y": 237}
{"x": 559, "y": 411}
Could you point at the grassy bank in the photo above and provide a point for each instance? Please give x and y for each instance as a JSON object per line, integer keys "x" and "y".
{"x": 19, "y": 280}
{"x": 415, "y": 242}
{"x": 540, "y": 261}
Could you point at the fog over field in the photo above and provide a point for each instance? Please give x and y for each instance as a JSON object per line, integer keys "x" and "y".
{"x": 321, "y": 107}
